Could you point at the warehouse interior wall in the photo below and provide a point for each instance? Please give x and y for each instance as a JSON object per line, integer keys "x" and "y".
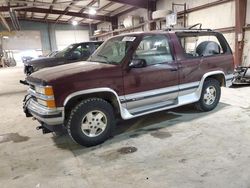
{"x": 217, "y": 20}
{"x": 161, "y": 4}
{"x": 143, "y": 13}
{"x": 48, "y": 32}
{"x": 43, "y": 38}
{"x": 23, "y": 43}
{"x": 246, "y": 51}
{"x": 211, "y": 17}
{"x": 248, "y": 13}
{"x": 64, "y": 38}
{"x": 105, "y": 26}
{"x": 23, "y": 40}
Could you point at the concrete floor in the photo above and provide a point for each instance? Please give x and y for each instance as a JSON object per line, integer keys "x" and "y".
{"x": 177, "y": 148}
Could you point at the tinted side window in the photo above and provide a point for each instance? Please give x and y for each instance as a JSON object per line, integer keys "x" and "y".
{"x": 154, "y": 50}
{"x": 92, "y": 48}
{"x": 97, "y": 45}
{"x": 83, "y": 50}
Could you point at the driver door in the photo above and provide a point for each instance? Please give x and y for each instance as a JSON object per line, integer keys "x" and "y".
{"x": 155, "y": 85}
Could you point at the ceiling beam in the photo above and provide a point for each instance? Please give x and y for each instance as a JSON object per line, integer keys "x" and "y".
{"x": 50, "y": 8}
{"x": 66, "y": 9}
{"x": 83, "y": 9}
{"x": 7, "y": 8}
{"x": 106, "y": 6}
{"x": 120, "y": 9}
{"x": 53, "y": 11}
{"x": 135, "y": 3}
{"x": 41, "y": 20}
{"x": 32, "y": 14}
{"x": 4, "y": 22}
{"x": 119, "y": 14}
{"x": 125, "y": 12}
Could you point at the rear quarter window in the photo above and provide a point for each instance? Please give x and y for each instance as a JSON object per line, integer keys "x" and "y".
{"x": 201, "y": 45}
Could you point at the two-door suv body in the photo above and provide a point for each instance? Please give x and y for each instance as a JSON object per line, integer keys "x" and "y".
{"x": 128, "y": 76}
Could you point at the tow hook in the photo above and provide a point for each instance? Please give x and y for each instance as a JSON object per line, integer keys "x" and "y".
{"x": 39, "y": 127}
{"x": 24, "y": 82}
{"x": 44, "y": 129}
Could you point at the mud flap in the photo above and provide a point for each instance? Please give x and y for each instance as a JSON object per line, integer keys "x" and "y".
{"x": 51, "y": 128}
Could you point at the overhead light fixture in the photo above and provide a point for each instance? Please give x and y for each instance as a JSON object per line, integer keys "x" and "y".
{"x": 5, "y": 37}
{"x": 92, "y": 11}
{"x": 74, "y": 23}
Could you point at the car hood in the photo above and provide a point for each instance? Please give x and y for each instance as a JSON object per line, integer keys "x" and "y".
{"x": 85, "y": 68}
{"x": 43, "y": 62}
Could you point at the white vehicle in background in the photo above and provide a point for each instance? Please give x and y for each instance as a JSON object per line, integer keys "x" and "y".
{"x": 7, "y": 59}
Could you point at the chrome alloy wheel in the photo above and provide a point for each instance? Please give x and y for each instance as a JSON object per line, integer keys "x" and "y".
{"x": 94, "y": 123}
{"x": 210, "y": 95}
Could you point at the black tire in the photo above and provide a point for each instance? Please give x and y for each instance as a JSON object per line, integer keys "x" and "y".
{"x": 201, "y": 104}
{"x": 80, "y": 111}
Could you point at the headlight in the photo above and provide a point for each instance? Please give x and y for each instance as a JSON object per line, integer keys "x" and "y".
{"x": 47, "y": 90}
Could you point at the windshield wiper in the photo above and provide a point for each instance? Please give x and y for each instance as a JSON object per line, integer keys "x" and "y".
{"x": 99, "y": 55}
{"x": 106, "y": 58}
{"x": 93, "y": 59}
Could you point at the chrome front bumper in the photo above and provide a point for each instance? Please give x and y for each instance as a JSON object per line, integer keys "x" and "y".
{"x": 43, "y": 114}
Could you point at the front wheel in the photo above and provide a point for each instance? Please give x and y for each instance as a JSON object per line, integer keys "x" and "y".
{"x": 210, "y": 95}
{"x": 91, "y": 122}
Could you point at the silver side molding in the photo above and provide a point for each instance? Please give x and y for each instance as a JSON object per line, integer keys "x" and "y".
{"x": 184, "y": 99}
{"x": 188, "y": 98}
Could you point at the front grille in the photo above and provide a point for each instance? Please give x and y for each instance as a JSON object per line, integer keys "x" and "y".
{"x": 32, "y": 87}
{"x": 28, "y": 69}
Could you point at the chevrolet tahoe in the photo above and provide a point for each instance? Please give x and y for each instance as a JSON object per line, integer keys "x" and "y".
{"x": 130, "y": 75}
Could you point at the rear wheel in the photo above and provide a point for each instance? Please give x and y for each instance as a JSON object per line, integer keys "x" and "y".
{"x": 91, "y": 122}
{"x": 210, "y": 95}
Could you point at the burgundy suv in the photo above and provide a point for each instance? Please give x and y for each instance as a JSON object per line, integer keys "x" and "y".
{"x": 129, "y": 76}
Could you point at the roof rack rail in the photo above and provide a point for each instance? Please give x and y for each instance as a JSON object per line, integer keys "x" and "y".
{"x": 191, "y": 28}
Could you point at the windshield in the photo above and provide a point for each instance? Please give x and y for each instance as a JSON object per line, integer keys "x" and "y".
{"x": 64, "y": 51}
{"x": 113, "y": 51}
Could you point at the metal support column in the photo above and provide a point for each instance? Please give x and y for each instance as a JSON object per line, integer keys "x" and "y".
{"x": 151, "y": 8}
{"x": 240, "y": 21}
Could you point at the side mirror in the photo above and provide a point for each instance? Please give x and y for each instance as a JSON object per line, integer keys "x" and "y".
{"x": 138, "y": 63}
{"x": 74, "y": 55}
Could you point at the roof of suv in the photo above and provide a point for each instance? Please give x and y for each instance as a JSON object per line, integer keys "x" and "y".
{"x": 89, "y": 42}
{"x": 205, "y": 31}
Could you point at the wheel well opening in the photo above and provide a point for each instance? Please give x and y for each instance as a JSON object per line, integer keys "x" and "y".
{"x": 219, "y": 77}
{"x": 107, "y": 96}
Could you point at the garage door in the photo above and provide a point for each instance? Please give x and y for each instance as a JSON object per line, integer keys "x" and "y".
{"x": 23, "y": 40}
{"x": 65, "y": 38}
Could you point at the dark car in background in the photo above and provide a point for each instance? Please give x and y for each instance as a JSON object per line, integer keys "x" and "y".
{"x": 73, "y": 53}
